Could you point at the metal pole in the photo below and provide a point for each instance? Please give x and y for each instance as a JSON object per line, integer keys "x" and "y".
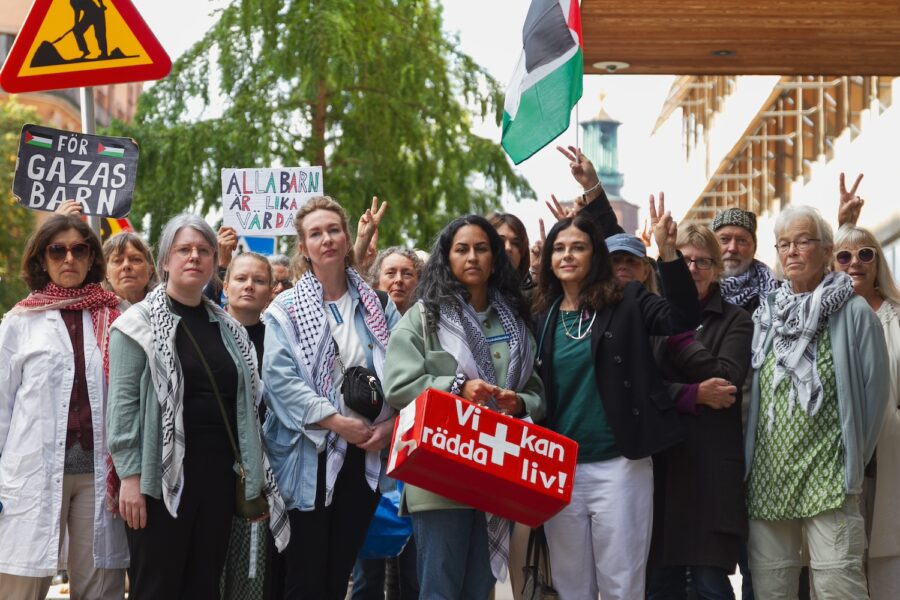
{"x": 88, "y": 125}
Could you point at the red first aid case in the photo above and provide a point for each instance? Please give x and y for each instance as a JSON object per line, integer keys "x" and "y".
{"x": 478, "y": 457}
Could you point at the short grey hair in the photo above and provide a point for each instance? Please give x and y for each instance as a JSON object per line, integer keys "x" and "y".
{"x": 280, "y": 260}
{"x": 375, "y": 271}
{"x": 176, "y": 224}
{"x": 795, "y": 213}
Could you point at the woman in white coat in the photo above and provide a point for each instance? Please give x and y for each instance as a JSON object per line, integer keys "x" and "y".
{"x": 858, "y": 253}
{"x": 53, "y": 455}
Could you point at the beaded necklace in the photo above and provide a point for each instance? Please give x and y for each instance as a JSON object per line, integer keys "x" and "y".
{"x": 581, "y": 319}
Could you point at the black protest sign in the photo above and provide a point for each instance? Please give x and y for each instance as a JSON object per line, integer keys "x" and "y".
{"x": 94, "y": 170}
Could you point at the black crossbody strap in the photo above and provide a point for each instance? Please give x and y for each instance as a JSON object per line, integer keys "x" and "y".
{"x": 212, "y": 382}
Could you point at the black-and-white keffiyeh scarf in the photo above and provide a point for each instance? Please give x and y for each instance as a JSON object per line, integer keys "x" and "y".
{"x": 168, "y": 382}
{"x": 756, "y": 282}
{"x": 796, "y": 320}
{"x": 460, "y": 334}
{"x": 301, "y": 314}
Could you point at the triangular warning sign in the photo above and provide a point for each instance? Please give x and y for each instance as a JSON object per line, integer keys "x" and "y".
{"x": 80, "y": 43}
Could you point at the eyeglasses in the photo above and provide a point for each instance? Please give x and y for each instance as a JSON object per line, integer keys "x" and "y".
{"x": 801, "y": 245}
{"x": 701, "y": 263}
{"x": 865, "y": 255}
{"x": 58, "y": 252}
{"x": 184, "y": 252}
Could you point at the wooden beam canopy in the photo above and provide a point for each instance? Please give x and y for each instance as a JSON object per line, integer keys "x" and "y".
{"x": 741, "y": 37}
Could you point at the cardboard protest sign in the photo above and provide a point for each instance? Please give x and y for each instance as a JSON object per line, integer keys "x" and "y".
{"x": 481, "y": 458}
{"x": 55, "y": 165}
{"x": 262, "y": 202}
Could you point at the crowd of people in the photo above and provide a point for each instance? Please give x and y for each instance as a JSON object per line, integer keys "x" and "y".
{"x": 189, "y": 420}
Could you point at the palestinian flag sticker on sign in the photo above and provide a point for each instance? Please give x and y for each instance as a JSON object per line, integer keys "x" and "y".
{"x": 96, "y": 171}
{"x": 39, "y": 141}
{"x": 114, "y": 151}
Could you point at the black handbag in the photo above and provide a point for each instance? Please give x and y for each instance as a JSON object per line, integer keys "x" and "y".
{"x": 361, "y": 389}
{"x": 256, "y": 509}
{"x": 538, "y": 583}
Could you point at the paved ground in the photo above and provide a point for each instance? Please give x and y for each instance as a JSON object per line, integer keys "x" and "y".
{"x": 504, "y": 592}
{"x": 501, "y": 592}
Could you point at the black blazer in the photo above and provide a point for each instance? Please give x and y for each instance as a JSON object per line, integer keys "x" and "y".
{"x": 638, "y": 406}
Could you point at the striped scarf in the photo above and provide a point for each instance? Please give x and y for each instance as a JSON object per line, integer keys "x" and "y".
{"x": 756, "y": 282}
{"x": 104, "y": 308}
{"x": 796, "y": 320}
{"x": 168, "y": 383}
{"x": 302, "y": 311}
{"x": 460, "y": 334}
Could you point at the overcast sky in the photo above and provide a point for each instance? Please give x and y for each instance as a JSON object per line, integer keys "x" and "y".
{"x": 490, "y": 31}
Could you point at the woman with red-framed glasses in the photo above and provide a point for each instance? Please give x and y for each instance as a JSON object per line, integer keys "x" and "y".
{"x": 54, "y": 467}
{"x": 858, "y": 253}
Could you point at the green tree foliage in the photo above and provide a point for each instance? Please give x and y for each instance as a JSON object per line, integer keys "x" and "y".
{"x": 373, "y": 91}
{"x": 16, "y": 222}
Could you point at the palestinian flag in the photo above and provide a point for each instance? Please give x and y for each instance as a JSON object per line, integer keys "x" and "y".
{"x": 39, "y": 141}
{"x": 547, "y": 82}
{"x": 114, "y": 151}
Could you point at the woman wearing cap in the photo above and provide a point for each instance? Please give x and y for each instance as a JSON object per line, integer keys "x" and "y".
{"x": 605, "y": 391}
{"x": 699, "y": 518}
{"x": 53, "y": 456}
{"x": 630, "y": 261}
{"x": 859, "y": 254}
{"x": 819, "y": 392}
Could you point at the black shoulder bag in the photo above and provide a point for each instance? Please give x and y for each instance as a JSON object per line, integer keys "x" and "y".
{"x": 256, "y": 509}
{"x": 361, "y": 388}
{"x": 538, "y": 579}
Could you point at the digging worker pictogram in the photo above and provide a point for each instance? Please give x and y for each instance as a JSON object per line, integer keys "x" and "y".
{"x": 90, "y": 13}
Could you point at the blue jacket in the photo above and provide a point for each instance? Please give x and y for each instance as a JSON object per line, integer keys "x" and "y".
{"x": 293, "y": 438}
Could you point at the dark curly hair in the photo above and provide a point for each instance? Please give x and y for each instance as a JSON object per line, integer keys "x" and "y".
{"x": 33, "y": 272}
{"x": 598, "y": 289}
{"x": 438, "y": 285}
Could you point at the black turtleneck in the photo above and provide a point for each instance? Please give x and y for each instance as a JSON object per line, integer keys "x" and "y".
{"x": 204, "y": 429}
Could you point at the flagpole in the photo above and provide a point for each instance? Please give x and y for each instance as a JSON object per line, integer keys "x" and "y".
{"x": 89, "y": 125}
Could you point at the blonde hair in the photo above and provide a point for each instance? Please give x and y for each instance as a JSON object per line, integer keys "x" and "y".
{"x": 852, "y": 235}
{"x": 701, "y": 236}
{"x": 255, "y": 256}
{"x": 314, "y": 204}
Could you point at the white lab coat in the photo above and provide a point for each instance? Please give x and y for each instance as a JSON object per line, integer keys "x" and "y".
{"x": 36, "y": 378}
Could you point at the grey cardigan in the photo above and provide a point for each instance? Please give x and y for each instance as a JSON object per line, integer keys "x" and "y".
{"x": 862, "y": 378}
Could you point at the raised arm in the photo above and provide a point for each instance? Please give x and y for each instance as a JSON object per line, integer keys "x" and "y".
{"x": 593, "y": 200}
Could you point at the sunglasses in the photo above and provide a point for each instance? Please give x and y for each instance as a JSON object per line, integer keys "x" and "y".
{"x": 865, "y": 255}
{"x": 58, "y": 252}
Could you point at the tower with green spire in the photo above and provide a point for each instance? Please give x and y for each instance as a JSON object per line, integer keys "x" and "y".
{"x": 600, "y": 143}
